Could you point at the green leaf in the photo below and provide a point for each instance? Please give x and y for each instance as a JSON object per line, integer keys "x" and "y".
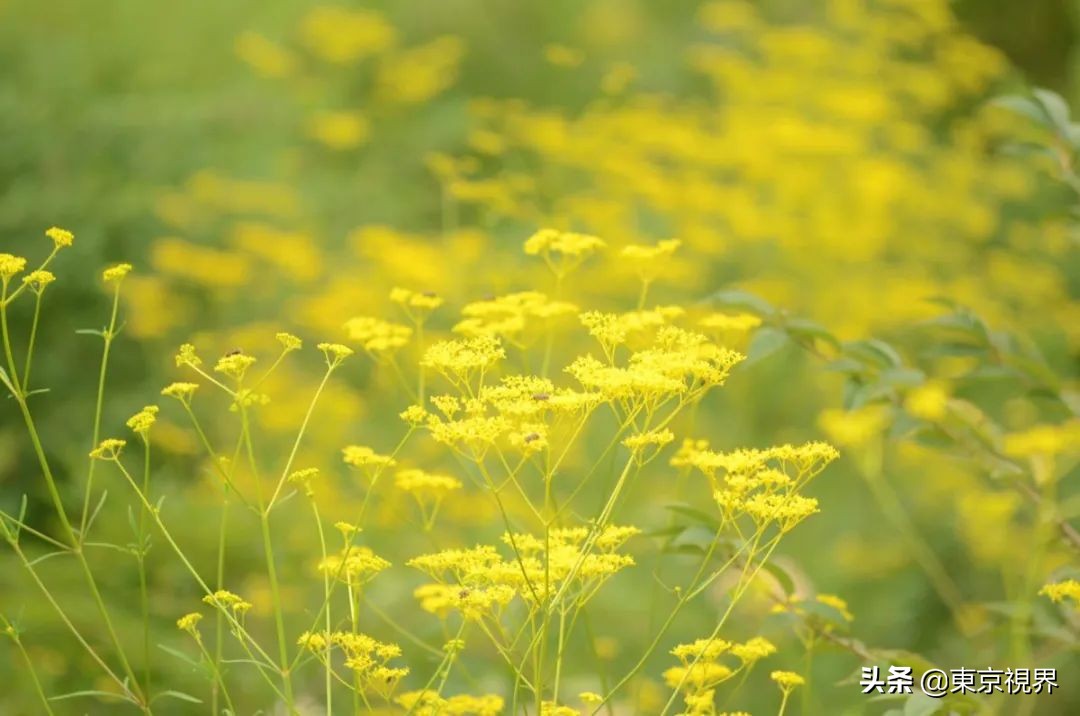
{"x": 742, "y": 300}
{"x": 180, "y": 655}
{"x": 1024, "y": 106}
{"x": 765, "y": 342}
{"x": 806, "y": 330}
{"x": 901, "y": 377}
{"x": 176, "y": 695}
{"x": 1056, "y": 109}
{"x": 873, "y": 352}
{"x": 90, "y": 332}
{"x": 89, "y": 692}
{"x": 7, "y": 382}
{"x": 787, "y": 583}
{"x": 699, "y": 516}
{"x": 919, "y": 704}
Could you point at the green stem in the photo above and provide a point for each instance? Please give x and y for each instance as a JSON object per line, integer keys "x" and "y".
{"x": 30, "y": 343}
{"x": 144, "y": 599}
{"x": 108, "y": 336}
{"x": 29, "y": 667}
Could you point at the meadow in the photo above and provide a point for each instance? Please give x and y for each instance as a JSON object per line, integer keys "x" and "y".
{"x": 607, "y": 357}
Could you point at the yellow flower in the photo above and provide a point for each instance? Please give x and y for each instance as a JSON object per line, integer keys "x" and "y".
{"x": 10, "y": 265}
{"x": 180, "y": 391}
{"x": 303, "y": 478}
{"x": 836, "y": 603}
{"x": 342, "y": 35}
{"x": 363, "y": 456}
{"x": 855, "y": 428}
{"x": 1044, "y": 440}
{"x": 335, "y": 353}
{"x": 377, "y": 336}
{"x": 787, "y": 680}
{"x": 563, "y": 56}
{"x": 142, "y": 421}
{"x": 426, "y": 484}
{"x": 234, "y": 365}
{"x": 265, "y": 56}
{"x": 115, "y": 274}
{"x": 735, "y": 323}
{"x": 224, "y": 599}
{"x": 929, "y": 401}
{"x": 109, "y": 449}
{"x": 1058, "y": 591}
{"x": 38, "y": 280}
{"x": 190, "y": 623}
{"x": 753, "y": 650}
{"x": 338, "y": 130}
{"x": 565, "y": 243}
{"x": 187, "y": 356}
{"x": 289, "y": 342}
{"x": 61, "y": 237}
{"x": 414, "y": 415}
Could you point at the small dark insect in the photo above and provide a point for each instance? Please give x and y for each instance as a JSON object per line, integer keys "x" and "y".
{"x": 429, "y": 294}
{"x": 541, "y": 396}
{"x": 234, "y": 352}
{"x": 463, "y": 593}
{"x": 532, "y": 436}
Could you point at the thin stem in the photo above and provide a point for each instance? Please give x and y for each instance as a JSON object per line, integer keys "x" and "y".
{"x": 29, "y": 665}
{"x": 299, "y": 438}
{"x": 31, "y": 341}
{"x": 144, "y": 600}
{"x": 108, "y": 336}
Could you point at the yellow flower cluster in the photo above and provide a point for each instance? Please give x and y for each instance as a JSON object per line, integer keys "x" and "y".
{"x": 702, "y": 669}
{"x": 368, "y": 658}
{"x": 355, "y": 566}
{"x": 1059, "y": 591}
{"x": 225, "y": 600}
{"x": 430, "y": 703}
{"x": 762, "y": 484}
{"x": 142, "y": 421}
{"x": 377, "y": 336}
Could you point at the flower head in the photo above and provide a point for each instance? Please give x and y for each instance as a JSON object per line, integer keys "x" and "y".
{"x": 180, "y": 391}
{"x": 115, "y": 274}
{"x": 142, "y": 421}
{"x": 11, "y": 265}
{"x": 38, "y": 280}
{"x": 787, "y": 680}
{"x": 289, "y": 342}
{"x": 109, "y": 449}
{"x": 190, "y": 623}
{"x": 61, "y": 237}
{"x": 335, "y": 353}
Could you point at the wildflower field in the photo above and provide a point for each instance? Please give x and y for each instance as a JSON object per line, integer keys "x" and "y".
{"x": 539, "y": 358}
